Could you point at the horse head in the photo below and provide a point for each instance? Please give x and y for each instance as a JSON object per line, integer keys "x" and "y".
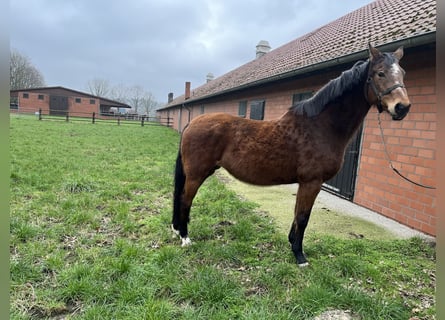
{"x": 385, "y": 87}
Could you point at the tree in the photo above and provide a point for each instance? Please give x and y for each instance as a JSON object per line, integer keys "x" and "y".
{"x": 136, "y": 95}
{"x": 99, "y": 87}
{"x": 119, "y": 93}
{"x": 22, "y": 73}
{"x": 149, "y": 104}
{"x": 141, "y": 101}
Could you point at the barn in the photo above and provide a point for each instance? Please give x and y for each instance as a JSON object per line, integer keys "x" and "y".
{"x": 60, "y": 101}
{"x": 267, "y": 86}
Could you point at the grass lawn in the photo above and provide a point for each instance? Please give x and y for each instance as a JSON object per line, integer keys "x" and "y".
{"x": 90, "y": 213}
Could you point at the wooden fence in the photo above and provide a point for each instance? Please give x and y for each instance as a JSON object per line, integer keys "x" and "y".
{"x": 96, "y": 118}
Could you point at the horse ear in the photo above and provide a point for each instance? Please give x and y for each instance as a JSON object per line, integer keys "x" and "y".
{"x": 373, "y": 52}
{"x": 398, "y": 53}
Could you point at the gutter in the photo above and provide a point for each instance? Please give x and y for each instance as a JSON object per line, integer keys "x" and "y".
{"x": 415, "y": 41}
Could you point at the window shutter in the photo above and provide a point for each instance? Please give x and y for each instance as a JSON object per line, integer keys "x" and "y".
{"x": 257, "y": 110}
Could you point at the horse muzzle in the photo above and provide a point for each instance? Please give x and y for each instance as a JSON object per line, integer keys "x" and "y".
{"x": 400, "y": 111}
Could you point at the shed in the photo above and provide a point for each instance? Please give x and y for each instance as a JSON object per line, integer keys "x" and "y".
{"x": 61, "y": 101}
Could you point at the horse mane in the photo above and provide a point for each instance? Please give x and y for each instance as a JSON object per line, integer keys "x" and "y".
{"x": 334, "y": 89}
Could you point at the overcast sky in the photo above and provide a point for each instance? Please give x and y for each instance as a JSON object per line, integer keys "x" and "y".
{"x": 157, "y": 44}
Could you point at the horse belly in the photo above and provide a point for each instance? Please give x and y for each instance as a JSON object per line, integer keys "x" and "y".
{"x": 258, "y": 172}
{"x": 262, "y": 179}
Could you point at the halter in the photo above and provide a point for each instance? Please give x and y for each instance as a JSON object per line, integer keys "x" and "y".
{"x": 380, "y": 95}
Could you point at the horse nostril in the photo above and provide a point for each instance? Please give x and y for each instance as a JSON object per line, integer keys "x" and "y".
{"x": 401, "y": 108}
{"x": 401, "y": 111}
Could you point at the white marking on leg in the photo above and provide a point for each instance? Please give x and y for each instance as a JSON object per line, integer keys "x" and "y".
{"x": 175, "y": 232}
{"x": 186, "y": 242}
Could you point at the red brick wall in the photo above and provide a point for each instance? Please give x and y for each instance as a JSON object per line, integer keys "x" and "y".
{"x": 83, "y": 108}
{"x": 411, "y": 144}
{"x": 32, "y": 103}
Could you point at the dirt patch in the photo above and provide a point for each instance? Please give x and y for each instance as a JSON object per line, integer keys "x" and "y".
{"x": 279, "y": 202}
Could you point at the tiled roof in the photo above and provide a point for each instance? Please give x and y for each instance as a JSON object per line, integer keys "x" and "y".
{"x": 380, "y": 22}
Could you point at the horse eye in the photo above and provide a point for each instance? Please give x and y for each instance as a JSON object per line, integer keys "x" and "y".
{"x": 381, "y": 74}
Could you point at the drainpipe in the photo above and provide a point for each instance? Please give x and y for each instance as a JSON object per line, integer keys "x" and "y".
{"x": 189, "y": 111}
{"x": 184, "y": 106}
{"x": 180, "y": 118}
{"x": 186, "y": 96}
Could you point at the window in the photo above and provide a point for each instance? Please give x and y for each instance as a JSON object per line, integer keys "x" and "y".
{"x": 13, "y": 103}
{"x": 202, "y": 109}
{"x": 257, "y": 109}
{"x": 242, "y": 109}
{"x": 26, "y": 95}
{"x": 78, "y": 100}
{"x": 92, "y": 101}
{"x": 40, "y": 97}
{"x": 296, "y": 97}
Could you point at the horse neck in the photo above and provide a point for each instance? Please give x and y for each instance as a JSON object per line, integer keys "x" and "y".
{"x": 339, "y": 119}
{"x": 345, "y": 115}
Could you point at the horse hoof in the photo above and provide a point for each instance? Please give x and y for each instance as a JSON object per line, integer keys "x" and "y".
{"x": 304, "y": 264}
{"x": 186, "y": 242}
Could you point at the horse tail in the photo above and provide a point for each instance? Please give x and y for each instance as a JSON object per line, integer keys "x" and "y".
{"x": 179, "y": 188}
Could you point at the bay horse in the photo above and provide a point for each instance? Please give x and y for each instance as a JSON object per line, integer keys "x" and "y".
{"x": 306, "y": 145}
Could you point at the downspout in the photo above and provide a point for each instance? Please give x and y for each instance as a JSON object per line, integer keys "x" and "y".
{"x": 180, "y": 118}
{"x": 184, "y": 106}
{"x": 189, "y": 111}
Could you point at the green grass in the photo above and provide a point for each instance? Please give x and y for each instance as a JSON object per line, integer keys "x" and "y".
{"x": 90, "y": 214}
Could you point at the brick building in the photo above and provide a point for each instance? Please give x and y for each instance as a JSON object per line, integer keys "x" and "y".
{"x": 267, "y": 86}
{"x": 60, "y": 101}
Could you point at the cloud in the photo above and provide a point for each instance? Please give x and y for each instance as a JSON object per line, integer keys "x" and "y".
{"x": 156, "y": 44}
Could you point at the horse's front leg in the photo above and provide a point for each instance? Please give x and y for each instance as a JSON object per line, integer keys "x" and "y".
{"x": 307, "y": 192}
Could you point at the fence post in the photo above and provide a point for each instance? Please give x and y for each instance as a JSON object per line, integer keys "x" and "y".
{"x": 94, "y": 117}
{"x": 142, "y": 121}
{"x": 40, "y": 114}
{"x": 118, "y": 120}
{"x": 67, "y": 116}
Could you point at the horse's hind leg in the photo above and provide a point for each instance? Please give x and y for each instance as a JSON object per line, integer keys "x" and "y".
{"x": 188, "y": 179}
{"x": 181, "y": 220}
{"x": 307, "y": 192}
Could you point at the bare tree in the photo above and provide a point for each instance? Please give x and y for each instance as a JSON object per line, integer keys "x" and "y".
{"x": 136, "y": 96}
{"x": 22, "y": 73}
{"x": 149, "y": 104}
{"x": 99, "y": 87}
{"x": 141, "y": 101}
{"x": 119, "y": 93}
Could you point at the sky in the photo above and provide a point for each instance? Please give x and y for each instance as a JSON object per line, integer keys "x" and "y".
{"x": 157, "y": 44}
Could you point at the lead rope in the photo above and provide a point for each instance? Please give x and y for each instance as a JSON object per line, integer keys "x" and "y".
{"x": 390, "y": 162}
